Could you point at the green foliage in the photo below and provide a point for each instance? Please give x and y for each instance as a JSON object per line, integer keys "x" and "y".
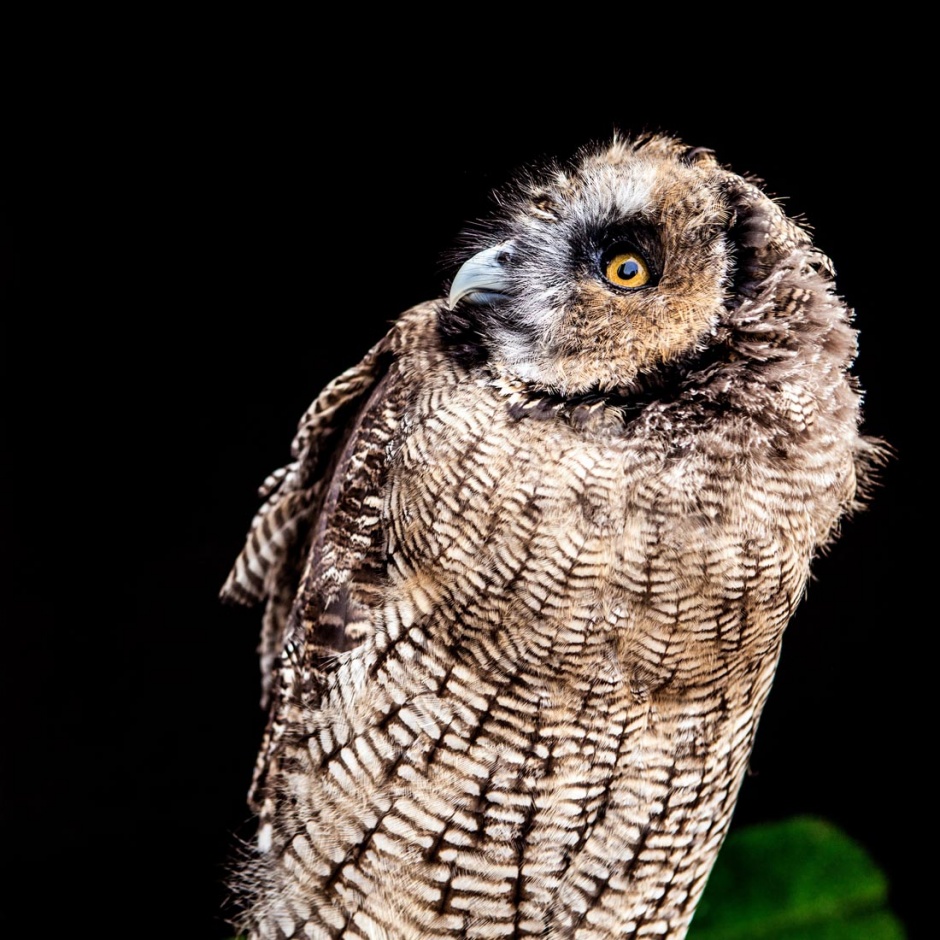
{"x": 800, "y": 879}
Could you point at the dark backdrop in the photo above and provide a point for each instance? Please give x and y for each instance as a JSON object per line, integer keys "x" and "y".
{"x": 186, "y": 261}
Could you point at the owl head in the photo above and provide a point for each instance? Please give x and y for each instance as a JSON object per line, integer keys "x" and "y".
{"x": 642, "y": 261}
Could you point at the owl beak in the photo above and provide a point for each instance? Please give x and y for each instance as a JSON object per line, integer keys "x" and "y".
{"x": 485, "y": 276}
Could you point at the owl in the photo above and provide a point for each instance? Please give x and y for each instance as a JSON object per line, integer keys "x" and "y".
{"x": 526, "y": 576}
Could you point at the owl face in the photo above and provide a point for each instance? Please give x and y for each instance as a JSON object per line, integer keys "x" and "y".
{"x": 598, "y": 276}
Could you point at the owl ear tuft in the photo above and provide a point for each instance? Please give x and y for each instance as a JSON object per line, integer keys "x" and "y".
{"x": 700, "y": 156}
{"x": 763, "y": 236}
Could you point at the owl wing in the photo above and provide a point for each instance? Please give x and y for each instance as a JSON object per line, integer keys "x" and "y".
{"x": 315, "y": 550}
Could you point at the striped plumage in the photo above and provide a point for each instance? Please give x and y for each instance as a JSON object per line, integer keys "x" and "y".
{"x": 527, "y": 574}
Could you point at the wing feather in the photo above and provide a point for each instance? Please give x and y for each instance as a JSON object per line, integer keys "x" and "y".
{"x": 271, "y": 563}
{"x": 315, "y": 551}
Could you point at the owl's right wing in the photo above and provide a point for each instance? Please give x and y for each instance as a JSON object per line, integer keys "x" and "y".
{"x": 316, "y": 550}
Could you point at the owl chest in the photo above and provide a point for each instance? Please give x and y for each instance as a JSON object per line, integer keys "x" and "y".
{"x": 578, "y": 550}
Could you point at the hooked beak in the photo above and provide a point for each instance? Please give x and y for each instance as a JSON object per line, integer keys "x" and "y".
{"x": 483, "y": 277}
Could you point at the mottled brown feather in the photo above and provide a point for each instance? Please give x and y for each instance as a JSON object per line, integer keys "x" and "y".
{"x": 528, "y": 573}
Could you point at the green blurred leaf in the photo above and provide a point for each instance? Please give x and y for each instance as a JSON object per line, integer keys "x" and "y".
{"x": 800, "y": 879}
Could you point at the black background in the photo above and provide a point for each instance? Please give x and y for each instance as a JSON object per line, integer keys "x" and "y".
{"x": 188, "y": 256}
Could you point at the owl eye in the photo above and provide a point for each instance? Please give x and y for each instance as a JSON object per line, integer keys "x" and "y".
{"x": 626, "y": 268}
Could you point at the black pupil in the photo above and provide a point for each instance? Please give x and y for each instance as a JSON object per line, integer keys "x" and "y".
{"x": 628, "y": 270}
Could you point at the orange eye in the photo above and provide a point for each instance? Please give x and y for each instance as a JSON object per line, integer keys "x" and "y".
{"x": 626, "y": 269}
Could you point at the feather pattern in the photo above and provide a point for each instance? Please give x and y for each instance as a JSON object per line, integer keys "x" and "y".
{"x": 528, "y": 573}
